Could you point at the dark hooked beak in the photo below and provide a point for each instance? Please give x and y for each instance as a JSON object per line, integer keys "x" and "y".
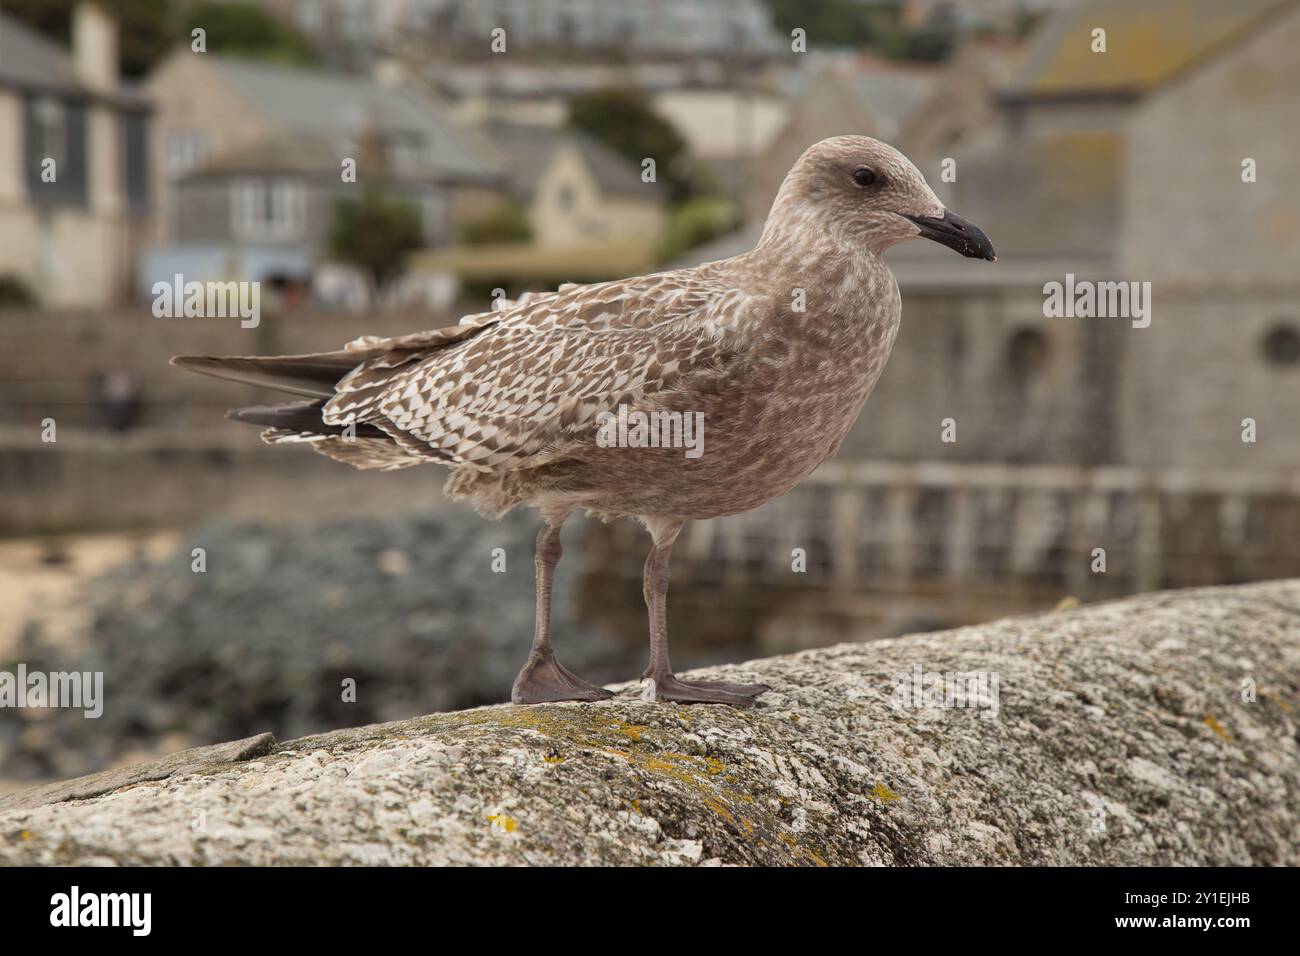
{"x": 956, "y": 233}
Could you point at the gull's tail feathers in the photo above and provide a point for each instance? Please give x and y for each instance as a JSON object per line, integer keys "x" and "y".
{"x": 315, "y": 375}
{"x": 362, "y": 446}
{"x": 301, "y": 417}
{"x": 312, "y": 376}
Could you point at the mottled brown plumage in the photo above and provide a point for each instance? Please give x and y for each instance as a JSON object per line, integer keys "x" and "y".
{"x": 778, "y": 348}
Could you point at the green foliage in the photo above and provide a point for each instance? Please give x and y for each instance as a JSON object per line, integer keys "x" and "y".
{"x": 624, "y": 120}
{"x": 698, "y": 221}
{"x": 14, "y": 292}
{"x": 837, "y": 22}
{"x": 507, "y": 222}
{"x": 146, "y": 28}
{"x": 375, "y": 232}
{"x": 860, "y": 24}
{"x": 245, "y": 29}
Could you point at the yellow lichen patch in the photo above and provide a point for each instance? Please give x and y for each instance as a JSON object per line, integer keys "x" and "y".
{"x": 1212, "y": 722}
{"x": 503, "y": 822}
{"x": 717, "y": 807}
{"x": 1274, "y": 699}
{"x": 636, "y": 807}
{"x": 714, "y": 766}
{"x": 589, "y": 727}
{"x": 630, "y": 731}
{"x": 884, "y": 794}
{"x": 691, "y": 771}
{"x": 556, "y": 758}
{"x": 799, "y": 851}
{"x": 25, "y": 835}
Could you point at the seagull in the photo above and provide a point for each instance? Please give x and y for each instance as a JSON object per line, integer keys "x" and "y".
{"x": 772, "y": 353}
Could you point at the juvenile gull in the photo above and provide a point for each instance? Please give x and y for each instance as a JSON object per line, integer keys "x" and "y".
{"x": 777, "y": 348}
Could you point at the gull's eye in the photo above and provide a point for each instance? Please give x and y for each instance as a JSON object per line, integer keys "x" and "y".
{"x": 864, "y": 176}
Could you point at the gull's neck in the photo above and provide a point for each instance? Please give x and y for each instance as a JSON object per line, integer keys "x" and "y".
{"x": 798, "y": 246}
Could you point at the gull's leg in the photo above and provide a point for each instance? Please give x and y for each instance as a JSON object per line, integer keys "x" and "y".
{"x": 663, "y": 683}
{"x": 544, "y": 678}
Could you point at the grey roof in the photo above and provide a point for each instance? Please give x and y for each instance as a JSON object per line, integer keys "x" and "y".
{"x": 31, "y": 60}
{"x": 327, "y": 107}
{"x": 723, "y": 247}
{"x": 891, "y": 94}
{"x": 530, "y": 148}
{"x": 277, "y": 153}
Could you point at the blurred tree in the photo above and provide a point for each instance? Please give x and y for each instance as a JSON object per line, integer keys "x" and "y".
{"x": 858, "y": 23}
{"x": 146, "y": 28}
{"x": 245, "y": 29}
{"x": 375, "y": 232}
{"x": 504, "y": 223}
{"x": 624, "y": 120}
{"x": 935, "y": 39}
{"x": 837, "y": 22}
{"x": 698, "y": 221}
{"x": 15, "y": 292}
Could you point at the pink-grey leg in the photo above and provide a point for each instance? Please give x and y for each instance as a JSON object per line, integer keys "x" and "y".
{"x": 666, "y": 685}
{"x": 543, "y": 678}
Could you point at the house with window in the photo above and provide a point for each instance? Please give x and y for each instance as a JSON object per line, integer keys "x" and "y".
{"x": 591, "y": 215}
{"x": 252, "y": 159}
{"x": 577, "y": 190}
{"x": 1169, "y": 159}
{"x": 74, "y": 187}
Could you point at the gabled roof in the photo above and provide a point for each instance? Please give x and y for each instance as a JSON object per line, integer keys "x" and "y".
{"x": 1148, "y": 43}
{"x": 310, "y": 105}
{"x": 277, "y": 153}
{"x": 31, "y": 60}
{"x": 530, "y": 148}
{"x": 891, "y": 91}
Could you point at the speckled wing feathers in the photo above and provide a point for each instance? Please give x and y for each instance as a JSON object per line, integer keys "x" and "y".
{"x": 529, "y": 383}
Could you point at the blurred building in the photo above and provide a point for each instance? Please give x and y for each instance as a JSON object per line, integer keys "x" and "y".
{"x": 349, "y": 35}
{"x": 250, "y": 162}
{"x": 1000, "y": 15}
{"x": 577, "y": 190}
{"x": 74, "y": 139}
{"x": 1125, "y": 165}
{"x": 677, "y": 27}
{"x": 862, "y": 94}
{"x": 589, "y": 215}
{"x": 728, "y": 115}
{"x": 355, "y": 34}
{"x": 1070, "y": 433}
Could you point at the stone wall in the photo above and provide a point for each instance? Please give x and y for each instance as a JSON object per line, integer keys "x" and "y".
{"x": 1157, "y": 730}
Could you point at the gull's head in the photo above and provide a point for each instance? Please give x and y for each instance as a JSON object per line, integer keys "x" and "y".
{"x": 871, "y": 195}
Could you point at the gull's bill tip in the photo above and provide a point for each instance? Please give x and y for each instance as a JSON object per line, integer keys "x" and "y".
{"x": 956, "y": 233}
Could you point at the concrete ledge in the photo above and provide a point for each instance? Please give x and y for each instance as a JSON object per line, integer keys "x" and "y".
{"x": 1159, "y": 729}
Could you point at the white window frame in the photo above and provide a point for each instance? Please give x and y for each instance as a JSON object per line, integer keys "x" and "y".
{"x": 52, "y": 127}
{"x": 186, "y": 150}
{"x": 268, "y": 210}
